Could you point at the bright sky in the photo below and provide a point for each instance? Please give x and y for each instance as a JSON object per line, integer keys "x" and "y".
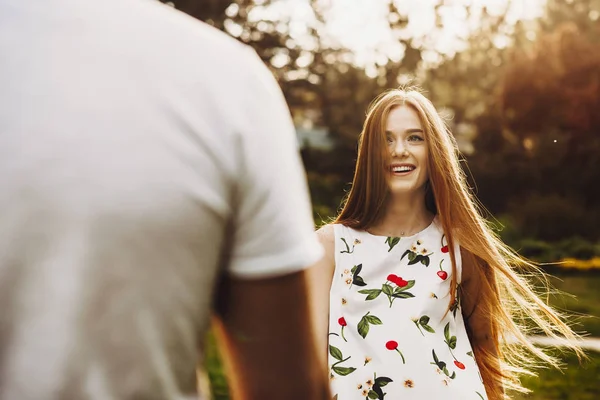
{"x": 360, "y": 24}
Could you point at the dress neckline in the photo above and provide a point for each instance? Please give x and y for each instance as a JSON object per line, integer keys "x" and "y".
{"x": 421, "y": 232}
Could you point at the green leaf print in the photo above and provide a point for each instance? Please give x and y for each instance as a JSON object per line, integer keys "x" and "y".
{"x": 365, "y": 322}
{"x": 392, "y": 241}
{"x": 363, "y": 328}
{"x": 379, "y": 392}
{"x": 335, "y": 353}
{"x": 402, "y": 295}
{"x": 394, "y": 290}
{"x": 414, "y": 258}
{"x": 442, "y": 366}
{"x": 407, "y": 252}
{"x": 450, "y": 340}
{"x": 423, "y": 322}
{"x": 409, "y": 285}
{"x": 343, "y": 371}
{"x": 387, "y": 289}
{"x": 372, "y": 293}
{"x": 435, "y": 359}
{"x": 356, "y": 279}
{"x": 373, "y": 320}
{"x": 456, "y": 304}
{"x": 382, "y": 381}
{"x": 428, "y": 328}
{"x": 376, "y": 384}
{"x": 347, "y": 247}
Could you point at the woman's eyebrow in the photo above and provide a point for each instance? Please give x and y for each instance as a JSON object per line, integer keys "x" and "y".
{"x": 410, "y": 130}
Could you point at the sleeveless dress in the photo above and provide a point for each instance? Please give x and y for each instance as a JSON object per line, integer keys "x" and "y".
{"x": 389, "y": 333}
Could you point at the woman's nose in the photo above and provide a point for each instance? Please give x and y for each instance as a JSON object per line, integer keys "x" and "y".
{"x": 399, "y": 147}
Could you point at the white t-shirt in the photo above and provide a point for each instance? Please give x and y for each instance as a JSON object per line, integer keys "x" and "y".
{"x": 139, "y": 151}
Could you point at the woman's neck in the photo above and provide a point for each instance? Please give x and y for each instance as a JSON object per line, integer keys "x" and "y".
{"x": 403, "y": 216}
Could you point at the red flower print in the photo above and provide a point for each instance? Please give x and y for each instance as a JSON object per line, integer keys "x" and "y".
{"x": 343, "y": 323}
{"x": 397, "y": 280}
{"x": 441, "y": 273}
{"x": 444, "y": 248}
{"x": 459, "y": 365}
{"x": 393, "y": 345}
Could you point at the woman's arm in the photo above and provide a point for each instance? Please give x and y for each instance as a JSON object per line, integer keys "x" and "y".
{"x": 475, "y": 287}
{"x": 320, "y": 277}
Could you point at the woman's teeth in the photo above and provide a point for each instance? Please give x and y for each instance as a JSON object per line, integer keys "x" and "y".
{"x": 404, "y": 168}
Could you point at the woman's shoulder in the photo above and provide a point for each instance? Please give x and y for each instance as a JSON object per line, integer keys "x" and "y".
{"x": 326, "y": 233}
{"x": 332, "y": 230}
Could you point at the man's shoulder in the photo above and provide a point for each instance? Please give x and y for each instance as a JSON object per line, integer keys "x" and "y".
{"x": 170, "y": 22}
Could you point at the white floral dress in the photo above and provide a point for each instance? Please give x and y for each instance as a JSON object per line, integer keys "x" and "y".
{"x": 389, "y": 333}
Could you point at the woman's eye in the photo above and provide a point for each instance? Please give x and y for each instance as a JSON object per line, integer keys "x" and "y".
{"x": 415, "y": 138}
{"x": 389, "y": 139}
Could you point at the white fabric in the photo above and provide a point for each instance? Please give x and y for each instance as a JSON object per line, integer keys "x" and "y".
{"x": 139, "y": 149}
{"x": 388, "y": 317}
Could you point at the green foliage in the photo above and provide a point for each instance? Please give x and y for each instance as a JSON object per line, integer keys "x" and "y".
{"x": 214, "y": 368}
{"x": 551, "y": 252}
{"x": 578, "y": 295}
{"x": 538, "y": 250}
{"x": 575, "y": 382}
{"x": 580, "y": 248}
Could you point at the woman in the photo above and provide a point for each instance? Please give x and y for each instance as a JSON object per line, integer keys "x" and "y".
{"x": 424, "y": 302}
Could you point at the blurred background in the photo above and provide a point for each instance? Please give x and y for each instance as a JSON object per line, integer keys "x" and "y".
{"x": 519, "y": 84}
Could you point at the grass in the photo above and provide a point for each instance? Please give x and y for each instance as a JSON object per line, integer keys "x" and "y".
{"x": 581, "y": 298}
{"x": 214, "y": 369}
{"x": 574, "y": 382}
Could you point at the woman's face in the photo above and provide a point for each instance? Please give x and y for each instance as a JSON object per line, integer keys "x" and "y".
{"x": 409, "y": 152}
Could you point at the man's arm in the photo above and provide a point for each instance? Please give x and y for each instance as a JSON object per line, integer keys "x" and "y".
{"x": 267, "y": 339}
{"x": 264, "y": 305}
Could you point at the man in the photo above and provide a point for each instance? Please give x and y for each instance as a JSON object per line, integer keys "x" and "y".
{"x": 144, "y": 156}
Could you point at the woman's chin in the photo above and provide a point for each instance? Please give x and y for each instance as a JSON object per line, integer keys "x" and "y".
{"x": 406, "y": 189}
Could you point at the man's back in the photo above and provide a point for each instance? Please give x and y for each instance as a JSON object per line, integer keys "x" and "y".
{"x": 123, "y": 158}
